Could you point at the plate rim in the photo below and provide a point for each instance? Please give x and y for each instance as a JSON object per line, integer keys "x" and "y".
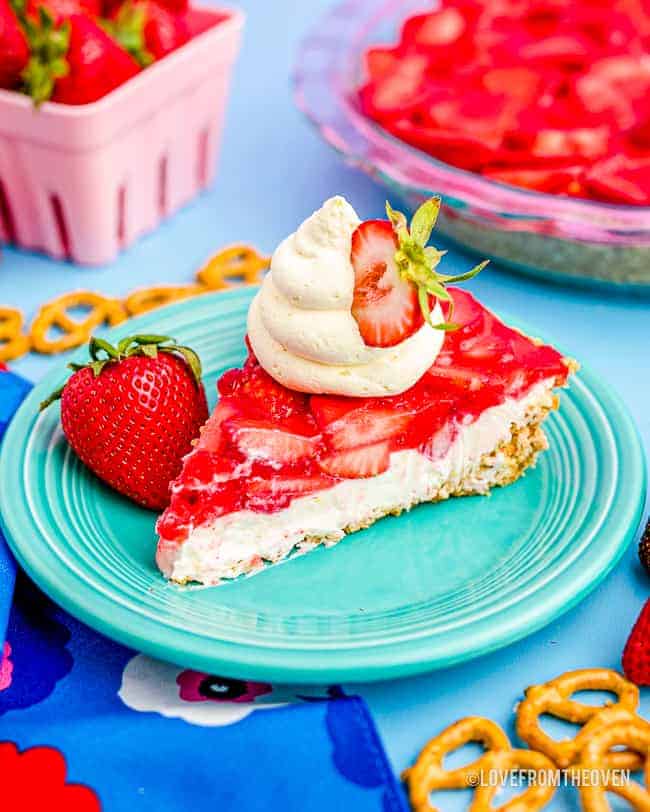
{"x": 260, "y": 662}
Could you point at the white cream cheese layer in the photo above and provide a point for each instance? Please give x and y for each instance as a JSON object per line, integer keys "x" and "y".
{"x": 241, "y": 541}
{"x": 301, "y": 325}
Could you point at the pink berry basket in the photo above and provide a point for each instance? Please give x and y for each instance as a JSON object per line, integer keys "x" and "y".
{"x": 82, "y": 183}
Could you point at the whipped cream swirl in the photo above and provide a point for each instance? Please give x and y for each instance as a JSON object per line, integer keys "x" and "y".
{"x": 301, "y": 326}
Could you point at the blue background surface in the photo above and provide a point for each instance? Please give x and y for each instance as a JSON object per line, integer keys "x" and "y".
{"x": 274, "y": 170}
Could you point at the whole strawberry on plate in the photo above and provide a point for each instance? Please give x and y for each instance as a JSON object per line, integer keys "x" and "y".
{"x": 132, "y": 412}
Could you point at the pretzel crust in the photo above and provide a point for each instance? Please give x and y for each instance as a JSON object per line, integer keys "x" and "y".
{"x": 13, "y": 342}
{"x": 635, "y": 735}
{"x": 102, "y": 310}
{"x": 554, "y": 698}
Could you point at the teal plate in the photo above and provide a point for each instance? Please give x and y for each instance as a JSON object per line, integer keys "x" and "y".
{"x": 437, "y": 586}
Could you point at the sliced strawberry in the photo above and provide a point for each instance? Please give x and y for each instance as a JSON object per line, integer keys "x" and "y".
{"x": 620, "y": 180}
{"x": 581, "y": 142}
{"x": 365, "y": 426}
{"x": 397, "y": 90}
{"x": 470, "y": 379}
{"x": 519, "y": 82}
{"x": 441, "y": 28}
{"x": 380, "y": 62}
{"x": 206, "y": 467}
{"x": 462, "y": 149}
{"x": 616, "y": 87}
{"x": 357, "y": 463}
{"x": 255, "y": 389}
{"x": 265, "y": 441}
{"x": 554, "y": 181}
{"x": 276, "y": 493}
{"x": 328, "y": 408}
{"x": 439, "y": 443}
{"x": 467, "y": 309}
{"x": 565, "y": 51}
{"x": 485, "y": 344}
{"x": 212, "y": 436}
{"x": 385, "y": 306}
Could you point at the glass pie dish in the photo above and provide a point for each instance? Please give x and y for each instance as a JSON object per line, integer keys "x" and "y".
{"x": 565, "y": 239}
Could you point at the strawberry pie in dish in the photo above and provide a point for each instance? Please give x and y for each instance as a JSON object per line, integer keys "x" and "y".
{"x": 372, "y": 384}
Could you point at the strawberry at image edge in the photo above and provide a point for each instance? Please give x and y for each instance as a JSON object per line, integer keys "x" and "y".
{"x": 636, "y": 656}
{"x": 132, "y": 413}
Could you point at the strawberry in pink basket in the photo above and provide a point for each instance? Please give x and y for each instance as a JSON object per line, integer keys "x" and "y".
{"x": 173, "y": 6}
{"x": 97, "y": 64}
{"x": 74, "y": 62}
{"x": 148, "y": 29}
{"x": 61, "y": 10}
{"x": 14, "y": 50}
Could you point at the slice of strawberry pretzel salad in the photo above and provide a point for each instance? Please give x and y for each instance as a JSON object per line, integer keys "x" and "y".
{"x": 371, "y": 385}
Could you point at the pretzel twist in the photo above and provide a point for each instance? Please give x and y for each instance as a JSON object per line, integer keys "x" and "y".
{"x": 146, "y": 299}
{"x": 428, "y": 774}
{"x": 13, "y": 342}
{"x": 635, "y": 735}
{"x": 236, "y": 264}
{"x": 73, "y": 332}
{"x": 554, "y": 698}
{"x": 500, "y": 762}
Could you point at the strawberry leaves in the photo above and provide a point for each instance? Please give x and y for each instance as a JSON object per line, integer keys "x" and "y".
{"x": 49, "y": 44}
{"x": 103, "y": 353}
{"x": 417, "y": 262}
{"x": 127, "y": 28}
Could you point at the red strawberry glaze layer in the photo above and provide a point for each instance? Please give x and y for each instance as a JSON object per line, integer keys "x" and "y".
{"x": 265, "y": 445}
{"x": 550, "y": 95}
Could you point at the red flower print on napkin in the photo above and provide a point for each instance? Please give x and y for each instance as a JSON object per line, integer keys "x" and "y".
{"x": 198, "y": 687}
{"x": 36, "y": 780}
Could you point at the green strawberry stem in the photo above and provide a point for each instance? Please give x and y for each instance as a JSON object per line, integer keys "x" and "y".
{"x": 49, "y": 43}
{"x": 103, "y": 353}
{"x": 128, "y": 29}
{"x": 416, "y": 261}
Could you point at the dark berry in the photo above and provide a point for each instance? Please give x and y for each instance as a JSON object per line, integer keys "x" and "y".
{"x": 644, "y": 548}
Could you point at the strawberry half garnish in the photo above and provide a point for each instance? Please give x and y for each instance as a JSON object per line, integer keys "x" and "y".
{"x": 395, "y": 276}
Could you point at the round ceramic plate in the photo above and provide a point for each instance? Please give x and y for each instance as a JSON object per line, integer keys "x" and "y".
{"x": 436, "y": 586}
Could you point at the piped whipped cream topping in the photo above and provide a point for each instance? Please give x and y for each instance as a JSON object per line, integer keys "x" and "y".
{"x": 301, "y": 326}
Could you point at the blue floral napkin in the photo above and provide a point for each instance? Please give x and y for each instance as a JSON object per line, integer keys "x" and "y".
{"x": 12, "y": 391}
{"x": 87, "y": 724}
